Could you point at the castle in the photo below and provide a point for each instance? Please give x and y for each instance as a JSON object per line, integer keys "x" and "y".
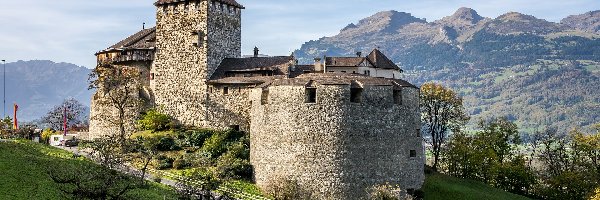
{"x": 338, "y": 126}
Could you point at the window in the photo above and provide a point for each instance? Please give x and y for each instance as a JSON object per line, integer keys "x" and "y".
{"x": 151, "y": 76}
{"x": 311, "y": 95}
{"x": 331, "y": 71}
{"x": 398, "y": 97}
{"x": 264, "y": 98}
{"x": 235, "y": 127}
{"x": 225, "y": 90}
{"x": 413, "y": 153}
{"x": 343, "y": 71}
{"x": 418, "y": 133}
{"x": 367, "y": 72}
{"x": 356, "y": 95}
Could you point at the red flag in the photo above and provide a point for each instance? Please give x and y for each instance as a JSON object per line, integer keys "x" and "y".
{"x": 16, "y": 124}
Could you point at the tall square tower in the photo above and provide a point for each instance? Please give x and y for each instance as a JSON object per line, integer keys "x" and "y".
{"x": 192, "y": 38}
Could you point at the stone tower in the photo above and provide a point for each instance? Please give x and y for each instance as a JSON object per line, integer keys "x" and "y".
{"x": 193, "y": 37}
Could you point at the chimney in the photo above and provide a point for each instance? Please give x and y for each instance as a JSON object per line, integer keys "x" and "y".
{"x": 359, "y": 54}
{"x": 256, "y": 52}
{"x": 318, "y": 65}
{"x": 143, "y": 25}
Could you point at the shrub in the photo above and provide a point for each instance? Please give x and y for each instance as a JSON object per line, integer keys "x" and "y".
{"x": 218, "y": 143}
{"x": 230, "y": 167}
{"x": 164, "y": 162}
{"x": 46, "y": 134}
{"x": 154, "y": 121}
{"x": 181, "y": 164}
{"x": 286, "y": 189}
{"x": 167, "y": 143}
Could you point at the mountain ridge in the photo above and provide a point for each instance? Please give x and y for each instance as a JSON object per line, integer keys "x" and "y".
{"x": 38, "y": 85}
{"x": 487, "y": 58}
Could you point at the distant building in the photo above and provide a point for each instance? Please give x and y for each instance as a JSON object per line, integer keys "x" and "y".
{"x": 338, "y": 126}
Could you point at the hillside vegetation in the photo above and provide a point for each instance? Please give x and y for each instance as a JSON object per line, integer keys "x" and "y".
{"x": 24, "y": 167}
{"x": 535, "y": 72}
{"x": 439, "y": 186}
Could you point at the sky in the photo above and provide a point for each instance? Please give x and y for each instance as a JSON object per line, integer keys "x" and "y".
{"x": 73, "y": 30}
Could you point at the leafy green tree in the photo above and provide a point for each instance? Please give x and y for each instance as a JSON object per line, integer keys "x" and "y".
{"x": 87, "y": 181}
{"x": 442, "y": 112}
{"x": 490, "y": 155}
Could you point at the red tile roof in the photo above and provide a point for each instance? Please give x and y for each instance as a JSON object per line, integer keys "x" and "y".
{"x": 228, "y": 2}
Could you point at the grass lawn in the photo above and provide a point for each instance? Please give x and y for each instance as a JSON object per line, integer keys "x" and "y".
{"x": 439, "y": 186}
{"x": 23, "y": 173}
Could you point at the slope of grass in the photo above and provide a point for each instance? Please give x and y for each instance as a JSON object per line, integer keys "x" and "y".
{"x": 439, "y": 186}
{"x": 23, "y": 173}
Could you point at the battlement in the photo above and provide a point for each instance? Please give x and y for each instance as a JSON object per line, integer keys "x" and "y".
{"x": 229, "y": 7}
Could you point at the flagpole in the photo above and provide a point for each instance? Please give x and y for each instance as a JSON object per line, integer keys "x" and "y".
{"x": 4, "y": 91}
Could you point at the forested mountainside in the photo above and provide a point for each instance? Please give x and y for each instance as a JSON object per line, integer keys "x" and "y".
{"x": 38, "y": 85}
{"x": 535, "y": 72}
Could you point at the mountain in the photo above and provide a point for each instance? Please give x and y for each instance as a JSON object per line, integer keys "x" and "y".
{"x": 588, "y": 22}
{"x": 38, "y": 85}
{"x": 533, "y": 71}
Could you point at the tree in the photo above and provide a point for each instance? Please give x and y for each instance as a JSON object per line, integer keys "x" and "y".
{"x": 442, "y": 112}
{"x": 205, "y": 182}
{"x": 145, "y": 149}
{"x": 87, "y": 181}
{"x": 6, "y": 127}
{"x": 118, "y": 88}
{"x": 490, "y": 155}
{"x": 76, "y": 114}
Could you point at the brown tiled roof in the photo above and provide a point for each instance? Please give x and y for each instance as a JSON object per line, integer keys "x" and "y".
{"x": 255, "y": 80}
{"x": 341, "y": 79}
{"x": 279, "y": 65}
{"x": 228, "y": 2}
{"x": 144, "y": 39}
{"x": 343, "y": 61}
{"x": 381, "y": 61}
{"x": 299, "y": 70}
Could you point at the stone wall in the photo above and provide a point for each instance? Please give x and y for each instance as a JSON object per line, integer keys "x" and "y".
{"x": 334, "y": 147}
{"x": 193, "y": 37}
{"x": 227, "y": 110}
{"x": 103, "y": 114}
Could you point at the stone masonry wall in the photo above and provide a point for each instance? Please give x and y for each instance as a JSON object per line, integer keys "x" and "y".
{"x": 180, "y": 67}
{"x": 102, "y": 112}
{"x": 229, "y": 109}
{"x": 192, "y": 39}
{"x": 334, "y": 147}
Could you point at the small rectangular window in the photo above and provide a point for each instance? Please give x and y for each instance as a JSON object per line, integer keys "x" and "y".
{"x": 343, "y": 71}
{"x": 356, "y": 95}
{"x": 418, "y": 133}
{"x": 413, "y": 153}
{"x": 225, "y": 90}
{"x": 264, "y": 99}
{"x": 151, "y": 76}
{"x": 398, "y": 97}
{"x": 311, "y": 95}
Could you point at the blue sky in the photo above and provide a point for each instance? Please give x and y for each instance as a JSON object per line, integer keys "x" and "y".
{"x": 73, "y": 30}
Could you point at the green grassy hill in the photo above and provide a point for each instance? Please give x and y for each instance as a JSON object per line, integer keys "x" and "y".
{"x": 23, "y": 167}
{"x": 439, "y": 186}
